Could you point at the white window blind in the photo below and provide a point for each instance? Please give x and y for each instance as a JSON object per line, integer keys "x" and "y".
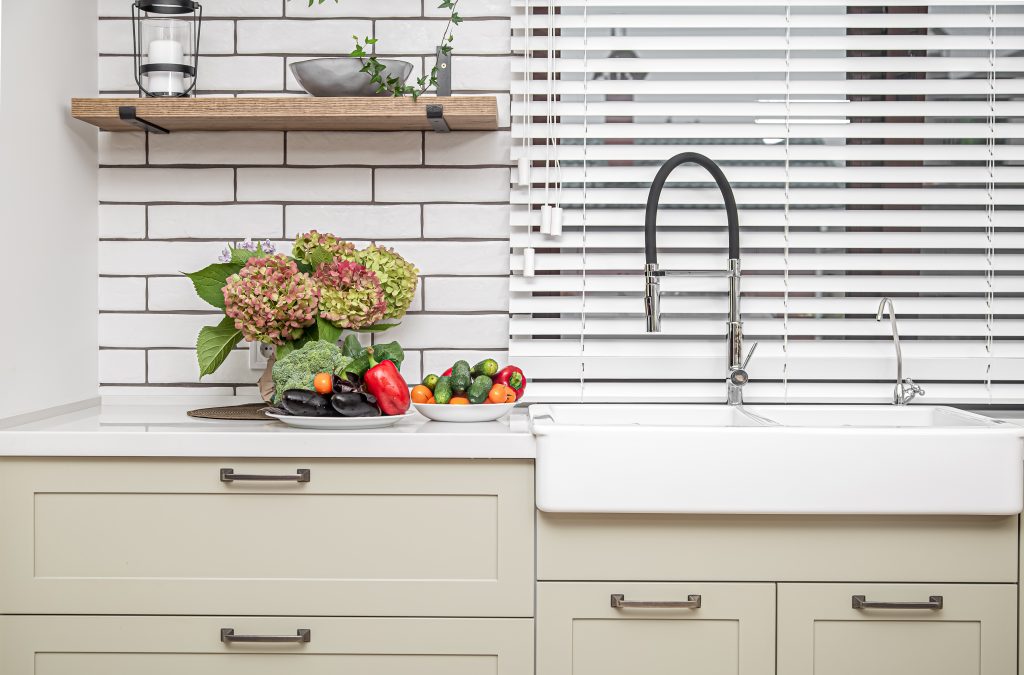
{"x": 875, "y": 150}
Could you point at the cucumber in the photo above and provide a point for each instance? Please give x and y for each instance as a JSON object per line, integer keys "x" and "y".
{"x": 443, "y": 390}
{"x": 461, "y": 379}
{"x": 488, "y": 367}
{"x": 478, "y": 391}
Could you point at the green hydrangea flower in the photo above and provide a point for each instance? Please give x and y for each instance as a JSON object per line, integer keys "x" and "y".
{"x": 350, "y": 295}
{"x": 398, "y": 277}
{"x": 315, "y": 249}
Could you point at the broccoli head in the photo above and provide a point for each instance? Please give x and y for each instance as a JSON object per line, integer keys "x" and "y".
{"x": 297, "y": 369}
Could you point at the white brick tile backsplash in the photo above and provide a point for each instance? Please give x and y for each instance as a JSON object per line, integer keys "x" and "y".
{"x": 116, "y": 74}
{"x": 166, "y": 185}
{"x": 441, "y": 331}
{"x": 355, "y": 221}
{"x": 175, "y": 294}
{"x": 230, "y": 147}
{"x": 332, "y": 37}
{"x": 442, "y": 185}
{"x": 190, "y": 392}
{"x": 448, "y": 294}
{"x": 469, "y": 147}
{"x": 115, "y": 37}
{"x": 122, "y": 294}
{"x": 460, "y": 258}
{"x": 501, "y": 8}
{"x": 371, "y": 9}
{"x": 234, "y": 73}
{"x": 122, "y": 148}
{"x": 129, "y": 258}
{"x": 349, "y": 147}
{"x": 123, "y": 366}
{"x": 466, "y": 221}
{"x": 438, "y": 361}
{"x": 153, "y": 330}
{"x": 122, "y": 221}
{"x": 171, "y": 366}
{"x": 233, "y": 222}
{"x": 305, "y": 185}
{"x": 481, "y": 73}
{"x": 211, "y": 8}
{"x": 423, "y": 37}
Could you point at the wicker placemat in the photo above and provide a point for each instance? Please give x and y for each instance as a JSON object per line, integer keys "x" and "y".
{"x": 246, "y": 411}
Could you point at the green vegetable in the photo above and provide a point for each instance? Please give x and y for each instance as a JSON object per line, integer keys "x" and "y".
{"x": 392, "y": 351}
{"x": 488, "y": 367}
{"x": 478, "y": 391}
{"x": 351, "y": 348}
{"x": 443, "y": 390}
{"x": 430, "y": 381}
{"x": 297, "y": 369}
{"x": 461, "y": 379}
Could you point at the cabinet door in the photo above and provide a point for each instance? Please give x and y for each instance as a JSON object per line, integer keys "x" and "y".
{"x": 580, "y": 631}
{"x": 90, "y": 645}
{"x": 896, "y": 629}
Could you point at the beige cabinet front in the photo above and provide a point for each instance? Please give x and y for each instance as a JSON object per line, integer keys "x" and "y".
{"x": 90, "y": 645}
{"x": 655, "y": 629}
{"x": 897, "y": 629}
{"x": 267, "y": 537}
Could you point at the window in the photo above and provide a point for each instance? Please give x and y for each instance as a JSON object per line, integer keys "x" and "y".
{"x": 875, "y": 150}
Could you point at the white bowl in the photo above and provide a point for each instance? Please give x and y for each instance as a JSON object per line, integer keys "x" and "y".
{"x": 485, "y": 412}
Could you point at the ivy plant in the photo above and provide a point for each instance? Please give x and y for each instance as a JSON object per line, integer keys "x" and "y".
{"x": 393, "y": 85}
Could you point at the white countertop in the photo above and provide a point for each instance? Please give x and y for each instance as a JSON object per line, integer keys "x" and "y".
{"x": 162, "y": 429}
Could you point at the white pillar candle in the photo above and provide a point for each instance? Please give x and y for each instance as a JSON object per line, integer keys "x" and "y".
{"x": 166, "y": 51}
{"x": 524, "y": 172}
{"x": 545, "y": 219}
{"x": 556, "y": 222}
{"x": 529, "y": 262}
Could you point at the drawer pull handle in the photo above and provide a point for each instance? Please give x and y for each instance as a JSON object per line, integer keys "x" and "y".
{"x": 229, "y": 476}
{"x": 228, "y": 636}
{"x": 861, "y": 602}
{"x": 692, "y": 602}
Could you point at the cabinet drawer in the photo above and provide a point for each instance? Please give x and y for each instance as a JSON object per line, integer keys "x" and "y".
{"x": 360, "y": 538}
{"x": 97, "y": 645}
{"x": 776, "y": 548}
{"x": 821, "y": 632}
{"x": 714, "y": 629}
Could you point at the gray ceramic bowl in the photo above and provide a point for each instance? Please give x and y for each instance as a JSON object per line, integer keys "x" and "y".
{"x": 341, "y": 77}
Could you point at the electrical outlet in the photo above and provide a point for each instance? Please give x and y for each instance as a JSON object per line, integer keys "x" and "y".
{"x": 259, "y": 355}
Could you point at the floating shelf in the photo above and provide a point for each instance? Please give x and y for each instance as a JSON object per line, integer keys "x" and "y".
{"x": 440, "y": 113}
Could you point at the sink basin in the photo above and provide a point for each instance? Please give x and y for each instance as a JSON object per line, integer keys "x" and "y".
{"x": 914, "y": 460}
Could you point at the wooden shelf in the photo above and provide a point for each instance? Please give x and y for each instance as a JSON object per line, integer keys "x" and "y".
{"x": 458, "y": 113}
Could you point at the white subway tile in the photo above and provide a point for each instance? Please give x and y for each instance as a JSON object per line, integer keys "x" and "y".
{"x": 175, "y": 294}
{"x": 117, "y": 394}
{"x": 124, "y": 294}
{"x": 355, "y": 221}
{"x": 305, "y": 185}
{"x": 469, "y": 147}
{"x": 481, "y": 73}
{"x": 116, "y": 74}
{"x": 115, "y": 37}
{"x": 233, "y": 222}
{"x": 122, "y": 148}
{"x": 355, "y": 147}
{"x": 236, "y": 148}
{"x": 371, "y": 9}
{"x": 172, "y": 366}
{"x": 122, "y": 366}
{"x": 481, "y": 294}
{"x": 437, "y": 361}
{"x": 460, "y": 221}
{"x": 440, "y": 331}
{"x": 166, "y": 185}
{"x": 471, "y": 9}
{"x": 142, "y": 258}
{"x": 153, "y": 330}
{"x": 299, "y": 37}
{"x": 122, "y": 221}
{"x": 460, "y": 258}
{"x": 423, "y": 37}
{"x": 412, "y": 366}
{"x": 211, "y": 8}
{"x": 442, "y": 185}
{"x": 235, "y": 73}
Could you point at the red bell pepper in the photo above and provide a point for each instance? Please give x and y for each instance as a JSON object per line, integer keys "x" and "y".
{"x": 513, "y": 378}
{"x": 387, "y": 385}
{"x": 447, "y": 373}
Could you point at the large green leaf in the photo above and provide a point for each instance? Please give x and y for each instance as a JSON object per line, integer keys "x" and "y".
{"x": 378, "y": 328}
{"x": 327, "y": 331}
{"x": 351, "y": 348}
{"x": 209, "y": 282}
{"x": 214, "y": 345}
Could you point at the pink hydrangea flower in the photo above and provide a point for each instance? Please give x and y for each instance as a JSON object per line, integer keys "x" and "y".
{"x": 270, "y": 300}
{"x": 351, "y": 296}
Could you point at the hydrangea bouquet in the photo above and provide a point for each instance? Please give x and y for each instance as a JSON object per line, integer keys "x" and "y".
{"x": 324, "y": 287}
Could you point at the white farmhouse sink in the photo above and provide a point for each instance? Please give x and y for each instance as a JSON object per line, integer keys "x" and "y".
{"x": 775, "y": 460}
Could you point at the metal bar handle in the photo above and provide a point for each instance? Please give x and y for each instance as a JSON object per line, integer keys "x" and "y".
{"x": 229, "y": 476}
{"x": 861, "y": 602}
{"x": 692, "y": 602}
{"x": 228, "y": 636}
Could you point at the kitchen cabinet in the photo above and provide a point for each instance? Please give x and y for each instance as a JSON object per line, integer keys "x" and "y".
{"x": 711, "y": 629}
{"x": 103, "y": 645}
{"x": 824, "y": 631}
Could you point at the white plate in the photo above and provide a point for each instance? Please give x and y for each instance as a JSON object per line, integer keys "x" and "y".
{"x": 485, "y": 412}
{"x": 339, "y": 423}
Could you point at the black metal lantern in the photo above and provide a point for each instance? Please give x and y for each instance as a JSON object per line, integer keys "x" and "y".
{"x": 165, "y": 44}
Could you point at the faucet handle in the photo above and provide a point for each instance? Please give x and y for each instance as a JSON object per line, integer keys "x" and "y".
{"x": 911, "y": 390}
{"x": 750, "y": 355}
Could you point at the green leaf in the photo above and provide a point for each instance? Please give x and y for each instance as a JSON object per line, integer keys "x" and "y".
{"x": 209, "y": 281}
{"x": 327, "y": 331}
{"x": 379, "y": 328}
{"x": 319, "y": 255}
{"x": 351, "y": 348}
{"x": 285, "y": 349}
{"x": 240, "y": 256}
{"x": 214, "y": 345}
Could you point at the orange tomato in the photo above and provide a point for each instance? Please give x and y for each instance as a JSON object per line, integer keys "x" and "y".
{"x": 501, "y": 394}
{"x": 421, "y": 394}
{"x": 323, "y": 383}
{"x": 458, "y": 400}
{"x": 431, "y": 401}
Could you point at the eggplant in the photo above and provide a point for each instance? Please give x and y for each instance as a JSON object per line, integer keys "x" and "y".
{"x": 352, "y": 404}
{"x": 304, "y": 403}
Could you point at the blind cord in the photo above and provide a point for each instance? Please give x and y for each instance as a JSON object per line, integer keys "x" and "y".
{"x": 990, "y": 229}
{"x": 785, "y": 212}
{"x": 586, "y": 130}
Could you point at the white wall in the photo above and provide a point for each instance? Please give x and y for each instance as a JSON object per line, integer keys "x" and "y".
{"x": 48, "y": 319}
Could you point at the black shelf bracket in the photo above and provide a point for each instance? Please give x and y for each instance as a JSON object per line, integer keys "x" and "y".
{"x": 128, "y": 114}
{"x": 435, "y": 115}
